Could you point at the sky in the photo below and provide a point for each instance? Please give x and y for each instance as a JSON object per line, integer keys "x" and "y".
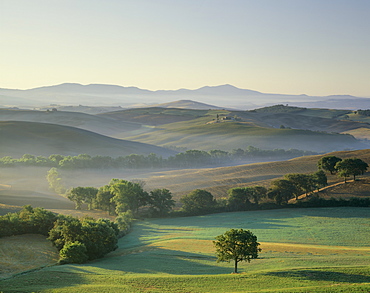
{"x": 314, "y": 47}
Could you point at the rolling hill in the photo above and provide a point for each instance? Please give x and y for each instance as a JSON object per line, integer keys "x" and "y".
{"x": 197, "y": 134}
{"x": 307, "y": 129}
{"x": 219, "y": 180}
{"x": 98, "y": 124}
{"x": 155, "y": 115}
{"x": 328, "y": 120}
{"x": 187, "y": 104}
{"x": 18, "y": 138}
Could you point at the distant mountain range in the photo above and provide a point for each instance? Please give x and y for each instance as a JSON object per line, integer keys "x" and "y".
{"x": 223, "y": 96}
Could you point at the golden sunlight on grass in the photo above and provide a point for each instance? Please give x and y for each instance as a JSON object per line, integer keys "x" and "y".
{"x": 25, "y": 252}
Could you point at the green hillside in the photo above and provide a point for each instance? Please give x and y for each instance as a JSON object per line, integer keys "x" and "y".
{"x": 308, "y": 129}
{"x": 316, "y": 112}
{"x": 92, "y": 123}
{"x": 155, "y": 115}
{"x": 197, "y": 134}
{"x": 18, "y": 138}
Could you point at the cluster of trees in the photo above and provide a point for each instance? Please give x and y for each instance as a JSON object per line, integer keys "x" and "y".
{"x": 239, "y": 198}
{"x": 280, "y": 108}
{"x": 28, "y": 220}
{"x": 315, "y": 202}
{"x": 363, "y": 112}
{"x": 77, "y": 240}
{"x": 343, "y": 168}
{"x": 281, "y": 190}
{"x": 122, "y": 196}
{"x": 295, "y": 184}
{"x": 198, "y": 202}
{"x": 190, "y": 158}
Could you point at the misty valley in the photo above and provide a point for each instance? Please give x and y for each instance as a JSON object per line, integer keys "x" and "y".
{"x": 135, "y": 199}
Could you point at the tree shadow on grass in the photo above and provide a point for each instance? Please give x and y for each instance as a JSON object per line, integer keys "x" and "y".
{"x": 321, "y": 275}
{"x": 41, "y": 280}
{"x": 164, "y": 261}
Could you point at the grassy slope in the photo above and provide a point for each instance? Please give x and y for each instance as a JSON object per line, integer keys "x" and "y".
{"x": 155, "y": 115}
{"x": 22, "y": 186}
{"x": 25, "y": 252}
{"x": 196, "y": 134}
{"x": 186, "y": 128}
{"x": 187, "y": 104}
{"x": 18, "y": 138}
{"x": 215, "y": 180}
{"x": 93, "y": 123}
{"x": 303, "y": 250}
{"x": 315, "y": 112}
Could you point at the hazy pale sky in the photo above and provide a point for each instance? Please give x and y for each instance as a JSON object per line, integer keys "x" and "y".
{"x": 314, "y": 47}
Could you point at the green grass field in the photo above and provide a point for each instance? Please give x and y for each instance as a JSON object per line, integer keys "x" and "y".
{"x": 303, "y": 250}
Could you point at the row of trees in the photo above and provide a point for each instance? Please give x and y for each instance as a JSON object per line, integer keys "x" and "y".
{"x": 190, "y": 158}
{"x": 121, "y": 196}
{"x": 295, "y": 184}
{"x": 281, "y": 190}
{"x": 77, "y": 240}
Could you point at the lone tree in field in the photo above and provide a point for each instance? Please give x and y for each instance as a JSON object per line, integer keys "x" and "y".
{"x": 328, "y": 163}
{"x": 238, "y": 245}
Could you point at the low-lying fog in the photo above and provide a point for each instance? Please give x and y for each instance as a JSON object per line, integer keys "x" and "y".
{"x": 28, "y": 185}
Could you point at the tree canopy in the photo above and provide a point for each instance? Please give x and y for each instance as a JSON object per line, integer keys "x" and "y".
{"x": 98, "y": 236}
{"x": 160, "y": 202}
{"x": 282, "y": 190}
{"x": 198, "y": 201}
{"x": 81, "y": 195}
{"x": 349, "y": 167}
{"x": 237, "y": 245}
{"x": 328, "y": 163}
{"x": 239, "y": 198}
{"x": 128, "y": 195}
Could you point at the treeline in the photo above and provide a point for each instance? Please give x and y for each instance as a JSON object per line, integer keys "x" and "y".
{"x": 253, "y": 197}
{"x": 281, "y": 191}
{"x": 77, "y": 240}
{"x": 363, "y": 112}
{"x": 190, "y": 158}
{"x": 121, "y": 196}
